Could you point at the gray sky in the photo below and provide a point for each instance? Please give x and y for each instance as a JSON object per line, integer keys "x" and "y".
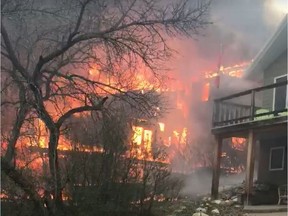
{"x": 242, "y": 26}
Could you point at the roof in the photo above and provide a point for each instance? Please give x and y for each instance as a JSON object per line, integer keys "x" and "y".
{"x": 271, "y": 51}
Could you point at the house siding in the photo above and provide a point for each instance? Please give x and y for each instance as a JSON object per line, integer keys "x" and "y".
{"x": 277, "y": 177}
{"x": 277, "y": 68}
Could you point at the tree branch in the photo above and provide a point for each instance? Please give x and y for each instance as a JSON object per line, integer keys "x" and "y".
{"x": 176, "y": 19}
{"x": 79, "y": 20}
{"x": 14, "y": 60}
{"x": 71, "y": 112}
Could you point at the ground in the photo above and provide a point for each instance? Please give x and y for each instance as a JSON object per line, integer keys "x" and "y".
{"x": 187, "y": 206}
{"x": 268, "y": 214}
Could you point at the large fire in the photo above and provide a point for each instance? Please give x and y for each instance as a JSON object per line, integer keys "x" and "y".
{"x": 64, "y": 143}
{"x": 143, "y": 139}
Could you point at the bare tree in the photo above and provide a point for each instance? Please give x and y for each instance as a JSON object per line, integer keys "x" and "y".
{"x": 66, "y": 57}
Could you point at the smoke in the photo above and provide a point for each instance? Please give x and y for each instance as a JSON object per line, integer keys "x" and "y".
{"x": 198, "y": 183}
{"x": 239, "y": 30}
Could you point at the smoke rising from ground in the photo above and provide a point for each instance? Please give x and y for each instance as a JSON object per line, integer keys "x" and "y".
{"x": 199, "y": 183}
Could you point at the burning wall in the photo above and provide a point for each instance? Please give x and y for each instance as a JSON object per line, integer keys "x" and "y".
{"x": 187, "y": 127}
{"x": 186, "y": 124}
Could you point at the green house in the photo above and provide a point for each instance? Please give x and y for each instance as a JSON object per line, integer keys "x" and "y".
{"x": 260, "y": 116}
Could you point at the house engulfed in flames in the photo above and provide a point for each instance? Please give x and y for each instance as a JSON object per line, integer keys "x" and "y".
{"x": 174, "y": 132}
{"x": 149, "y": 137}
{"x": 177, "y": 130}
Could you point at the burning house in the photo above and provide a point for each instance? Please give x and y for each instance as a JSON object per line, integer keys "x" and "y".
{"x": 68, "y": 70}
{"x": 190, "y": 116}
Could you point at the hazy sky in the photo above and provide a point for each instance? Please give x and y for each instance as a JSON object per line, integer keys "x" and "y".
{"x": 249, "y": 21}
{"x": 241, "y": 26}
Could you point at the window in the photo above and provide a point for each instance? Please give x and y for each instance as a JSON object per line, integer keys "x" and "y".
{"x": 280, "y": 94}
{"x": 277, "y": 158}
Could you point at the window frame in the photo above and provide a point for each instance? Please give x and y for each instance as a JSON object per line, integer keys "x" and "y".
{"x": 274, "y": 90}
{"x": 283, "y": 158}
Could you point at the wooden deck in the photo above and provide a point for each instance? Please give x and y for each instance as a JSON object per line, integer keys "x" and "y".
{"x": 243, "y": 111}
{"x": 240, "y": 129}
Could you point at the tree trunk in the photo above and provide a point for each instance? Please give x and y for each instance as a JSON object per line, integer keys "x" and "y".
{"x": 15, "y": 133}
{"x": 54, "y": 170}
{"x": 54, "y": 133}
{"x": 25, "y": 185}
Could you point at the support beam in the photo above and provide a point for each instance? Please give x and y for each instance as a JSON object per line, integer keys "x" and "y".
{"x": 216, "y": 167}
{"x": 250, "y": 164}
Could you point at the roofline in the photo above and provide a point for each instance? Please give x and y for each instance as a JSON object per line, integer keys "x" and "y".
{"x": 265, "y": 49}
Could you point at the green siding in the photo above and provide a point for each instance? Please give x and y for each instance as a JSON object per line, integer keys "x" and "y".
{"x": 278, "y": 177}
{"x": 277, "y": 68}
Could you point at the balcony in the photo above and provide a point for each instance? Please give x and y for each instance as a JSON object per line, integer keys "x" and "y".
{"x": 253, "y": 107}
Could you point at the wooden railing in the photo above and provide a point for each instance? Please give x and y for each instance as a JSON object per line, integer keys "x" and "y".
{"x": 227, "y": 113}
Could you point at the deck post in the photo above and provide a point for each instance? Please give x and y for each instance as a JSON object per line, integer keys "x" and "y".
{"x": 250, "y": 165}
{"x": 252, "y": 108}
{"x": 216, "y": 167}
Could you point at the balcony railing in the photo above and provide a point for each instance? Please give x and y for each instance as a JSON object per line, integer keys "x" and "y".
{"x": 247, "y": 106}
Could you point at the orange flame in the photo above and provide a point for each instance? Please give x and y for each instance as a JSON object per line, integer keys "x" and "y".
{"x": 142, "y": 143}
{"x": 238, "y": 143}
{"x": 161, "y": 126}
{"x": 142, "y": 138}
{"x": 205, "y": 92}
{"x": 234, "y": 71}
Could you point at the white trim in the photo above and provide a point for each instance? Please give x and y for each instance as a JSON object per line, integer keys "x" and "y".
{"x": 273, "y": 104}
{"x": 283, "y": 155}
{"x": 255, "y": 67}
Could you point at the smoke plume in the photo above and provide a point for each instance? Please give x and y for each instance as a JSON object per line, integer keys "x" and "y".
{"x": 239, "y": 30}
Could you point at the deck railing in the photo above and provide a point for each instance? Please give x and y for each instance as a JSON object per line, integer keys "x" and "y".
{"x": 231, "y": 109}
